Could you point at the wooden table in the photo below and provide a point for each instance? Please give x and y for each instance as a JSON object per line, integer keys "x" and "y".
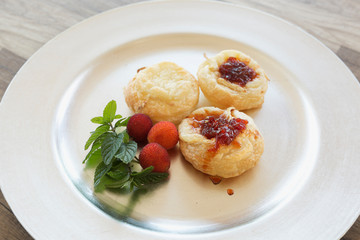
{"x": 27, "y": 25}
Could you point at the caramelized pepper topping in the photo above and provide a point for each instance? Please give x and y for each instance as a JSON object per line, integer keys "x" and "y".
{"x": 221, "y": 128}
{"x": 236, "y": 72}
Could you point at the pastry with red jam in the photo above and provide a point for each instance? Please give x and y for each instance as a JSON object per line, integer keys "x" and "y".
{"x": 222, "y": 143}
{"x": 233, "y": 79}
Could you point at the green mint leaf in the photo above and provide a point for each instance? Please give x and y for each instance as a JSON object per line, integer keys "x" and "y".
{"x": 109, "y": 112}
{"x": 100, "y": 173}
{"x": 99, "y": 120}
{"x": 95, "y": 148}
{"x": 120, "y": 174}
{"x": 127, "y": 152}
{"x": 94, "y": 152}
{"x": 94, "y": 159}
{"x": 120, "y": 183}
{"x": 141, "y": 181}
{"x": 143, "y": 173}
{"x": 110, "y": 146}
{"x": 118, "y": 116}
{"x": 126, "y": 137}
{"x": 97, "y": 133}
{"x": 122, "y": 122}
{"x": 119, "y": 171}
{"x": 128, "y": 185}
{"x": 157, "y": 177}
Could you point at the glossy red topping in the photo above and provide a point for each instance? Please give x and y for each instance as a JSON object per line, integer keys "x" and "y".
{"x": 230, "y": 191}
{"x": 215, "y": 179}
{"x": 221, "y": 128}
{"x": 236, "y": 72}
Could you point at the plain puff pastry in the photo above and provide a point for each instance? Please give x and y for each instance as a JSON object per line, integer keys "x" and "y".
{"x": 164, "y": 91}
{"x": 222, "y": 93}
{"x": 227, "y": 161}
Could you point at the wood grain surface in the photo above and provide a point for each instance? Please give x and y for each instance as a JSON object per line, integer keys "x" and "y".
{"x": 26, "y": 25}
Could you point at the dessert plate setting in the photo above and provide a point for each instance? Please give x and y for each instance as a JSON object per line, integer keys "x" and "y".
{"x": 305, "y": 186}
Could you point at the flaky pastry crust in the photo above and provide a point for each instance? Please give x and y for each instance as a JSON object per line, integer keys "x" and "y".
{"x": 164, "y": 91}
{"x": 222, "y": 93}
{"x": 229, "y": 160}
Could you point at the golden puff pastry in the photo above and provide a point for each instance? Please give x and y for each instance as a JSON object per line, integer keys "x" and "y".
{"x": 228, "y": 159}
{"x": 164, "y": 91}
{"x": 243, "y": 88}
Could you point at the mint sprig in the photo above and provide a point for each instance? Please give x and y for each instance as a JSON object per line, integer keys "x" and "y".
{"x": 127, "y": 152}
{"x": 110, "y": 145}
{"x": 116, "y": 151}
{"x": 96, "y": 134}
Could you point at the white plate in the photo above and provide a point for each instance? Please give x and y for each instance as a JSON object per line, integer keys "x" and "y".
{"x": 306, "y": 185}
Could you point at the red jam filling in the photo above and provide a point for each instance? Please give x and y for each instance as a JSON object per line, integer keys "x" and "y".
{"x": 221, "y": 128}
{"x": 236, "y": 72}
{"x": 230, "y": 191}
{"x": 215, "y": 179}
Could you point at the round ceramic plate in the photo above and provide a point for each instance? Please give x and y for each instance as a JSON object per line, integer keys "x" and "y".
{"x": 306, "y": 185}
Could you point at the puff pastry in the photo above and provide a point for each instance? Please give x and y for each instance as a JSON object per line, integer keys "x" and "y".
{"x": 222, "y": 91}
{"x": 219, "y": 159}
{"x": 164, "y": 91}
